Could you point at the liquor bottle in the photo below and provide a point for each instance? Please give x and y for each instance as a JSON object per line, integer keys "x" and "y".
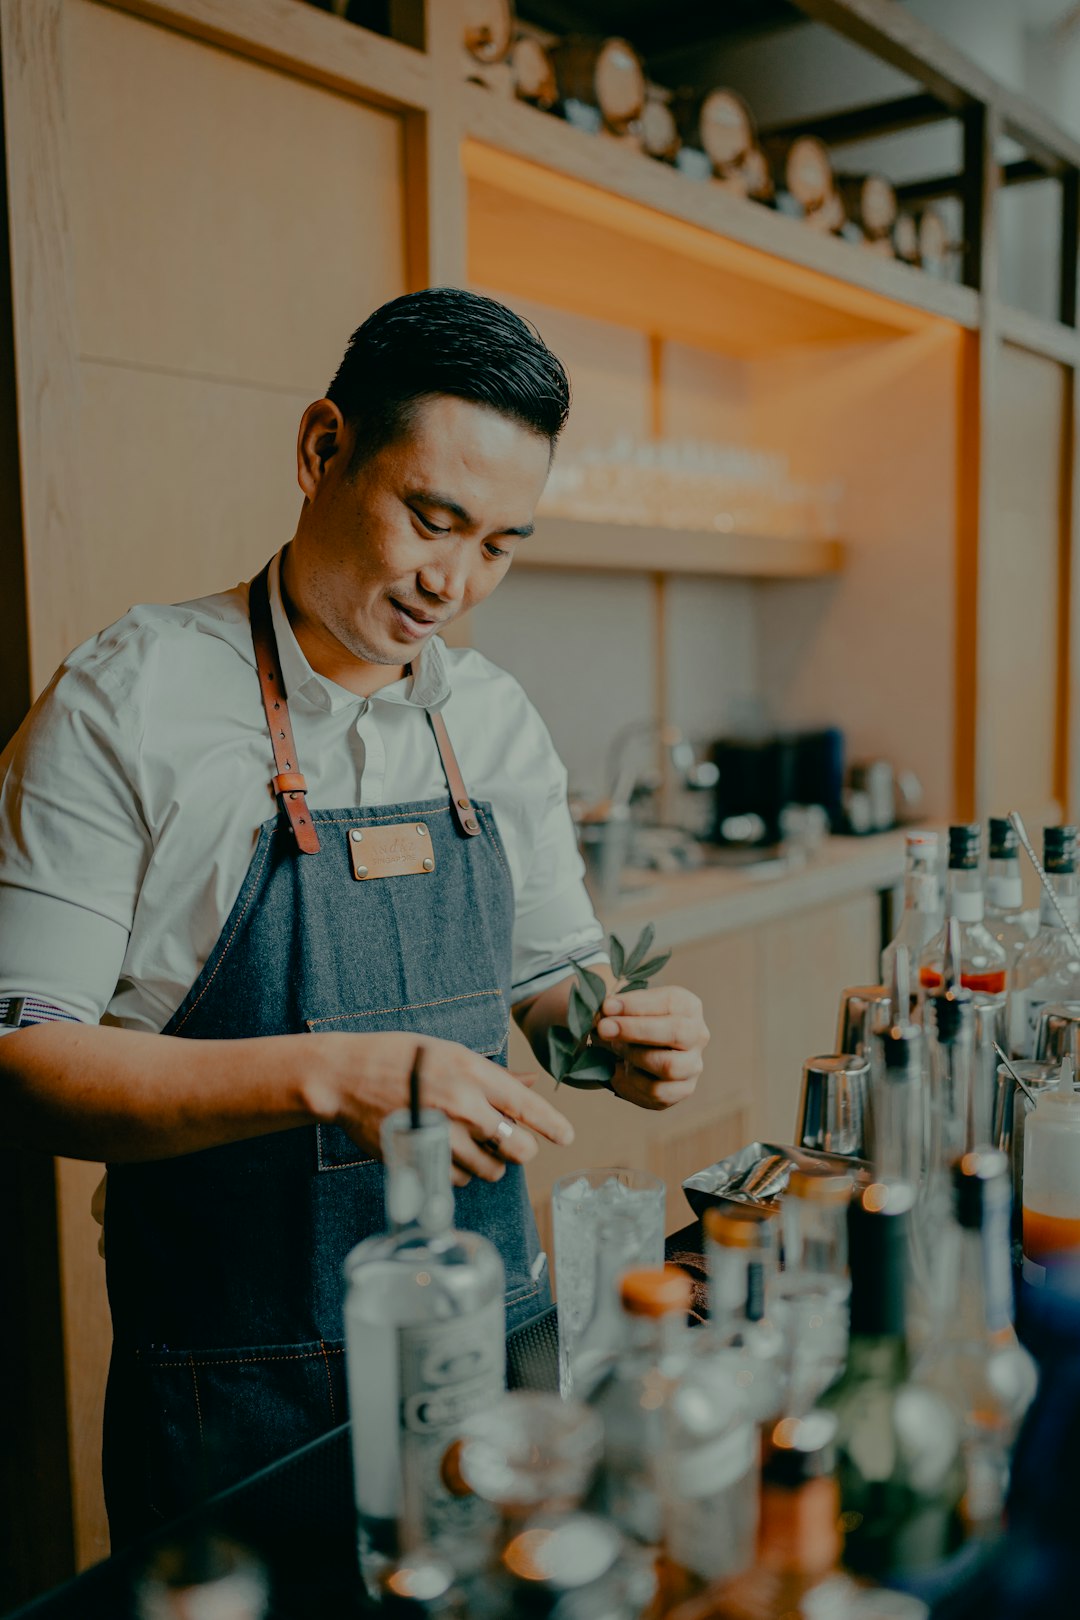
{"x": 1011, "y": 925}
{"x": 1047, "y": 968}
{"x": 207, "y": 1577}
{"x": 573, "y": 1567}
{"x": 809, "y": 1297}
{"x": 425, "y": 1347}
{"x": 1051, "y": 1214}
{"x": 950, "y": 1021}
{"x": 983, "y": 960}
{"x": 743, "y": 1341}
{"x": 976, "y": 1361}
{"x": 796, "y": 1574}
{"x": 631, "y": 1396}
{"x": 898, "y": 1444}
{"x": 921, "y": 916}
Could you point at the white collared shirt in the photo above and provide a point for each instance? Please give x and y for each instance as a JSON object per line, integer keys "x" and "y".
{"x": 132, "y": 795}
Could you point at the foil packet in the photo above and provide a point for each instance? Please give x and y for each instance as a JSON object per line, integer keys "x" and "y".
{"x": 757, "y": 1176}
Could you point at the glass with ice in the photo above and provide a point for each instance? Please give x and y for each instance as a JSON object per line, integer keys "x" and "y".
{"x": 628, "y": 1205}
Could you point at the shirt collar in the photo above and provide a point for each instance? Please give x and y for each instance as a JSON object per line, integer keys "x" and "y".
{"x": 427, "y": 688}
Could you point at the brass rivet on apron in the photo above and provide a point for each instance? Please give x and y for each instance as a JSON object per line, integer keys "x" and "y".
{"x": 361, "y": 871}
{"x": 421, "y": 830}
{"x": 463, "y": 803}
{"x": 357, "y": 836}
{"x": 429, "y": 864}
{"x": 473, "y": 826}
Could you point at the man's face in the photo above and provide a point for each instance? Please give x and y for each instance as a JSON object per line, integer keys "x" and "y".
{"x": 421, "y": 532}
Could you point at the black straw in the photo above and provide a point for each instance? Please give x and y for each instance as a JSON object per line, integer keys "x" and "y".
{"x": 414, "y": 1093}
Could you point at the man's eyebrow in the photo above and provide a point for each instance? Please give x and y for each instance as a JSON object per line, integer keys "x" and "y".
{"x": 429, "y": 497}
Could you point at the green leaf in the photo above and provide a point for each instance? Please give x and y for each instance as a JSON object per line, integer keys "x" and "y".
{"x": 618, "y": 955}
{"x": 577, "y": 1084}
{"x": 561, "y": 1049}
{"x": 645, "y": 970}
{"x": 640, "y": 950}
{"x": 633, "y": 984}
{"x": 578, "y": 1015}
{"x": 594, "y": 1064}
{"x": 593, "y": 988}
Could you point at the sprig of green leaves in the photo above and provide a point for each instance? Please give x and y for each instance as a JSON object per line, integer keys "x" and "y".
{"x": 575, "y": 1056}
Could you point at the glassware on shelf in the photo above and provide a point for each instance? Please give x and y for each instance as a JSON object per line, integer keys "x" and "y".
{"x": 605, "y": 1221}
{"x": 983, "y": 961}
{"x": 1047, "y": 969}
{"x": 975, "y": 1360}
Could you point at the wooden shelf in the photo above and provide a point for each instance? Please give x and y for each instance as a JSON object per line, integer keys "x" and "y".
{"x": 1039, "y": 336}
{"x": 588, "y": 223}
{"x": 629, "y": 548}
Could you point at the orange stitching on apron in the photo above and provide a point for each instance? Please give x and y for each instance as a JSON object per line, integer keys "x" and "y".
{"x": 228, "y": 942}
{"x": 388, "y": 821}
{"x": 410, "y": 1006}
{"x": 198, "y": 1403}
{"x": 329, "y": 1381}
{"x": 239, "y": 1361}
{"x": 494, "y": 843}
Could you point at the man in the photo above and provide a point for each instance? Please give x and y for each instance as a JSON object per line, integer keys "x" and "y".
{"x": 242, "y": 822}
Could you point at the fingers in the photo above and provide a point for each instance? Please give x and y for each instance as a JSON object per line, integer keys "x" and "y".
{"x": 683, "y": 1033}
{"x": 635, "y": 1087}
{"x": 663, "y": 1062}
{"x": 506, "y": 1093}
{"x": 471, "y": 1156}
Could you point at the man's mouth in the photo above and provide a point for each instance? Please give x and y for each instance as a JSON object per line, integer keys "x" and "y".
{"x": 414, "y": 621}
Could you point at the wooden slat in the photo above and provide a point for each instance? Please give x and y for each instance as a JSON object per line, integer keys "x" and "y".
{"x": 626, "y": 548}
{"x": 539, "y": 160}
{"x": 1038, "y": 336}
{"x": 304, "y": 41}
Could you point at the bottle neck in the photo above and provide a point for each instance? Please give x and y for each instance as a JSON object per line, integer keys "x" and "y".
{"x": 977, "y": 1275}
{"x": 419, "y": 1192}
{"x": 815, "y": 1237}
{"x": 898, "y": 1123}
{"x": 799, "y": 1533}
{"x": 657, "y": 1340}
{"x": 964, "y": 896}
{"x": 952, "y": 1088}
{"x": 921, "y": 889}
{"x": 1004, "y": 884}
{"x": 1064, "y": 885}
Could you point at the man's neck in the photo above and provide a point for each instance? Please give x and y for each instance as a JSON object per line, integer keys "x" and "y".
{"x": 328, "y": 656}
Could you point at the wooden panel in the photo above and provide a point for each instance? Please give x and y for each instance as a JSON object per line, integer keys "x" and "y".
{"x": 88, "y": 1334}
{"x": 805, "y": 962}
{"x": 626, "y": 548}
{"x": 1020, "y": 564}
{"x": 227, "y": 220}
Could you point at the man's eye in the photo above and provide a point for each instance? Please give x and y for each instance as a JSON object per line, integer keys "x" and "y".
{"x": 496, "y": 551}
{"x": 432, "y": 528}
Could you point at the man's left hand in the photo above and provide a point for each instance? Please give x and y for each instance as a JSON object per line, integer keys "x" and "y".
{"x": 659, "y": 1035}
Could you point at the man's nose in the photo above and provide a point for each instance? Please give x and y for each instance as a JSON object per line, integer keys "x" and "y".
{"x": 445, "y": 576}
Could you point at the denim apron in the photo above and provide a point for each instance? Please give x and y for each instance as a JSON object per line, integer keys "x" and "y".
{"x": 225, "y": 1266}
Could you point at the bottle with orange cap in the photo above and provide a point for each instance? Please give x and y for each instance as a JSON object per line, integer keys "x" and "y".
{"x": 632, "y": 1395}
{"x": 743, "y": 1341}
{"x": 810, "y": 1295}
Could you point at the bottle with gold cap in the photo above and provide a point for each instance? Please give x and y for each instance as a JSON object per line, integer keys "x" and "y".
{"x": 809, "y": 1297}
{"x": 796, "y": 1573}
{"x": 631, "y": 1397}
{"x": 742, "y": 1338}
{"x": 898, "y": 1442}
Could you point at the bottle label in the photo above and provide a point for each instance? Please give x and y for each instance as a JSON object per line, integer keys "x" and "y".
{"x": 709, "y": 1536}
{"x": 965, "y": 906}
{"x": 447, "y": 1370}
{"x": 1005, "y": 893}
{"x": 923, "y": 893}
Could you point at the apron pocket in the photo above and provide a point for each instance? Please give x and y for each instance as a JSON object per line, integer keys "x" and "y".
{"x": 477, "y": 1020}
{"x": 214, "y": 1417}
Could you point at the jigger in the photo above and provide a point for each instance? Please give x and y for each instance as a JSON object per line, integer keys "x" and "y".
{"x": 1057, "y": 1033}
{"x": 862, "y": 1008}
{"x": 833, "y": 1105}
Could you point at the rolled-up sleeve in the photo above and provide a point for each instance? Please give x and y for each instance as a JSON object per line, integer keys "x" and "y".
{"x": 73, "y": 844}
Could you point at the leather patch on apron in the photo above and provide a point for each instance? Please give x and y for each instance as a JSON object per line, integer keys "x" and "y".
{"x": 380, "y": 852}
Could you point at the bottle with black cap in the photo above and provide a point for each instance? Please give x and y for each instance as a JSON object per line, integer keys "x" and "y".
{"x": 425, "y": 1347}
{"x": 1006, "y": 917}
{"x": 796, "y": 1573}
{"x": 898, "y": 1442}
{"x": 976, "y": 1362}
{"x": 1047, "y": 968}
{"x": 983, "y": 960}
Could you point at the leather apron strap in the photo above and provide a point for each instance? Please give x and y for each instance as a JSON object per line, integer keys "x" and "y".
{"x": 289, "y": 783}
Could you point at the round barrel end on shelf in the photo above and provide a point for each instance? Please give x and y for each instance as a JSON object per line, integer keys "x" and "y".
{"x": 489, "y": 29}
{"x": 602, "y": 73}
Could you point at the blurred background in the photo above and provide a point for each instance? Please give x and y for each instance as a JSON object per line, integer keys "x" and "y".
{"x": 804, "y": 572}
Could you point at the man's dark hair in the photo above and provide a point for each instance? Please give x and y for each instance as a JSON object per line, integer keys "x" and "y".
{"x": 446, "y": 341}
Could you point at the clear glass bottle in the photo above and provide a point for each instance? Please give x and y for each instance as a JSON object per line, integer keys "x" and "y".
{"x": 809, "y": 1296}
{"x": 1047, "y": 969}
{"x": 898, "y": 1443}
{"x": 921, "y": 917}
{"x": 797, "y": 1574}
{"x": 1051, "y": 1214}
{"x": 425, "y": 1330}
{"x": 983, "y": 960}
{"x": 565, "y": 1568}
{"x": 1006, "y": 917}
{"x": 631, "y": 1397}
{"x": 975, "y": 1360}
{"x": 743, "y": 1339}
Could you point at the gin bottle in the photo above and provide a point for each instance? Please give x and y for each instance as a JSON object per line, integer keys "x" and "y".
{"x": 982, "y": 960}
{"x": 1011, "y": 925}
{"x": 744, "y": 1342}
{"x": 921, "y": 918}
{"x": 1048, "y": 968}
{"x": 809, "y": 1297}
{"x": 425, "y": 1348}
{"x": 976, "y": 1361}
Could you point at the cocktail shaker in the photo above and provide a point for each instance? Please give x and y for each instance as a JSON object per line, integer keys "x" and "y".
{"x": 833, "y": 1104}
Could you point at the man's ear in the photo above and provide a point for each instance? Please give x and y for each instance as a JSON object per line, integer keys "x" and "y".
{"x": 319, "y": 443}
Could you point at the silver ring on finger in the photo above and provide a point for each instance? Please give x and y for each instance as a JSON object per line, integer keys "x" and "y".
{"x": 504, "y": 1131}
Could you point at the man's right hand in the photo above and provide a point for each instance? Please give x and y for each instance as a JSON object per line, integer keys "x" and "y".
{"x": 356, "y": 1080}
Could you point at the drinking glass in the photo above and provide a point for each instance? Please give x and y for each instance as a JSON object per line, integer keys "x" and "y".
{"x": 629, "y": 1206}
